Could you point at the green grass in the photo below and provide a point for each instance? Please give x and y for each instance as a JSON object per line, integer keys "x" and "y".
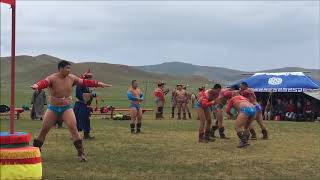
{"x": 169, "y": 149}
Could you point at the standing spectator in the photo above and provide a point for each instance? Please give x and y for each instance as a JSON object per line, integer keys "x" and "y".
{"x": 267, "y": 111}
{"x": 38, "y": 101}
{"x": 279, "y": 109}
{"x": 299, "y": 110}
{"x": 308, "y": 113}
{"x": 290, "y": 114}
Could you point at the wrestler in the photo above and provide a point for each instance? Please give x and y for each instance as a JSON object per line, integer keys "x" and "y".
{"x": 202, "y": 106}
{"x": 173, "y": 102}
{"x": 60, "y": 89}
{"x": 249, "y": 94}
{"x": 136, "y": 97}
{"x": 220, "y": 96}
{"x": 188, "y": 99}
{"x": 159, "y": 94}
{"x": 246, "y": 114}
{"x": 181, "y": 97}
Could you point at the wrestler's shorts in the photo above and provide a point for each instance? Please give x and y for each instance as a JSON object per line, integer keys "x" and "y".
{"x": 137, "y": 106}
{"x": 249, "y": 111}
{"x": 59, "y": 110}
{"x": 258, "y": 108}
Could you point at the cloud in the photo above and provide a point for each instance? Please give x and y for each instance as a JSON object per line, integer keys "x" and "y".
{"x": 240, "y": 35}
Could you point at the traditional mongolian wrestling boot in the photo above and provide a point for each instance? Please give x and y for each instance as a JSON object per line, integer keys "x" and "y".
{"x": 138, "y": 128}
{"x": 86, "y": 135}
{"x": 79, "y": 146}
{"x": 172, "y": 112}
{"x": 213, "y": 130}
{"x": 221, "y": 132}
{"x": 253, "y": 134}
{"x": 202, "y": 139}
{"x": 207, "y": 137}
{"x": 189, "y": 115}
{"x": 37, "y": 143}
{"x": 265, "y": 134}
{"x": 179, "y": 116}
{"x": 184, "y": 116}
{"x": 132, "y": 126}
{"x": 161, "y": 113}
{"x": 243, "y": 139}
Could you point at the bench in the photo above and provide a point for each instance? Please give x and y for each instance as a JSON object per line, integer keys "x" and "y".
{"x": 113, "y": 111}
{"x": 17, "y": 112}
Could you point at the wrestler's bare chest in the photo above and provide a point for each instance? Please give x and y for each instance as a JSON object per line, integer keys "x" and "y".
{"x": 61, "y": 86}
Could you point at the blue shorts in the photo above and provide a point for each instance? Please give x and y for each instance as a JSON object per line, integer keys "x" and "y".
{"x": 249, "y": 111}
{"x": 258, "y": 108}
{"x": 59, "y": 110}
{"x": 137, "y": 106}
{"x": 197, "y": 105}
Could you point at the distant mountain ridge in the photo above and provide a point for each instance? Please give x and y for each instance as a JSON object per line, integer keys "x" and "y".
{"x": 30, "y": 68}
{"x": 216, "y": 73}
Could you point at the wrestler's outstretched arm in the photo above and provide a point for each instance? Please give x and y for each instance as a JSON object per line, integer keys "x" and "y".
{"x": 42, "y": 84}
{"x": 89, "y": 83}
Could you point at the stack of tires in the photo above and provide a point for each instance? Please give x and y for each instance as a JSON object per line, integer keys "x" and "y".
{"x": 18, "y": 160}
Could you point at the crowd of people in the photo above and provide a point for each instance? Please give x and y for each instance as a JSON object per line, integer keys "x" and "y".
{"x": 291, "y": 108}
{"x": 241, "y": 105}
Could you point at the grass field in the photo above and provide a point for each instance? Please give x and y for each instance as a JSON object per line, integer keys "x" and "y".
{"x": 168, "y": 149}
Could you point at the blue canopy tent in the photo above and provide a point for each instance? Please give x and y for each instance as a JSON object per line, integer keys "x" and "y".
{"x": 281, "y": 82}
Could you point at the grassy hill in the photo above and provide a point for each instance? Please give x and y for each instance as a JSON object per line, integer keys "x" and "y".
{"x": 30, "y": 69}
{"x": 218, "y": 74}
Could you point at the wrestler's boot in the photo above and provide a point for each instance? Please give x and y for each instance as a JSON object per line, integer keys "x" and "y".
{"x": 189, "y": 115}
{"x": 179, "y": 116}
{"x": 157, "y": 115}
{"x": 37, "y": 143}
{"x": 132, "y": 126}
{"x": 79, "y": 146}
{"x": 86, "y": 135}
{"x": 161, "y": 112}
{"x": 138, "y": 128}
{"x": 221, "y": 133}
{"x": 172, "y": 112}
{"x": 201, "y": 138}
{"x": 207, "y": 137}
{"x": 243, "y": 139}
{"x": 213, "y": 130}
{"x": 184, "y": 116}
{"x": 264, "y": 133}
{"x": 253, "y": 134}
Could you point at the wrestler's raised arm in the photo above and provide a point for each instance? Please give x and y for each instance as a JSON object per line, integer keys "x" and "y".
{"x": 42, "y": 84}
{"x": 88, "y": 82}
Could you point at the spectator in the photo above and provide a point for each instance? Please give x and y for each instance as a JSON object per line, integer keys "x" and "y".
{"x": 308, "y": 113}
{"x": 290, "y": 114}
{"x": 38, "y": 101}
{"x": 299, "y": 109}
{"x": 279, "y": 109}
{"x": 267, "y": 111}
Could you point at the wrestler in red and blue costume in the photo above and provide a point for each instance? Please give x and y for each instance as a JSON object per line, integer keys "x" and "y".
{"x": 246, "y": 114}
{"x": 136, "y": 97}
{"x": 250, "y": 95}
{"x": 203, "y": 109}
{"x": 221, "y": 97}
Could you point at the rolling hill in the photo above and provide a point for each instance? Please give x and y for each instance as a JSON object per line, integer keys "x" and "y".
{"x": 30, "y": 69}
{"x": 224, "y": 75}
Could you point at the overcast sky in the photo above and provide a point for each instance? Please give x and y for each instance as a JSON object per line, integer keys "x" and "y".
{"x": 238, "y": 35}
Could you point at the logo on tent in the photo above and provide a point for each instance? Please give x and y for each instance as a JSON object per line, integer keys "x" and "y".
{"x": 274, "y": 81}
